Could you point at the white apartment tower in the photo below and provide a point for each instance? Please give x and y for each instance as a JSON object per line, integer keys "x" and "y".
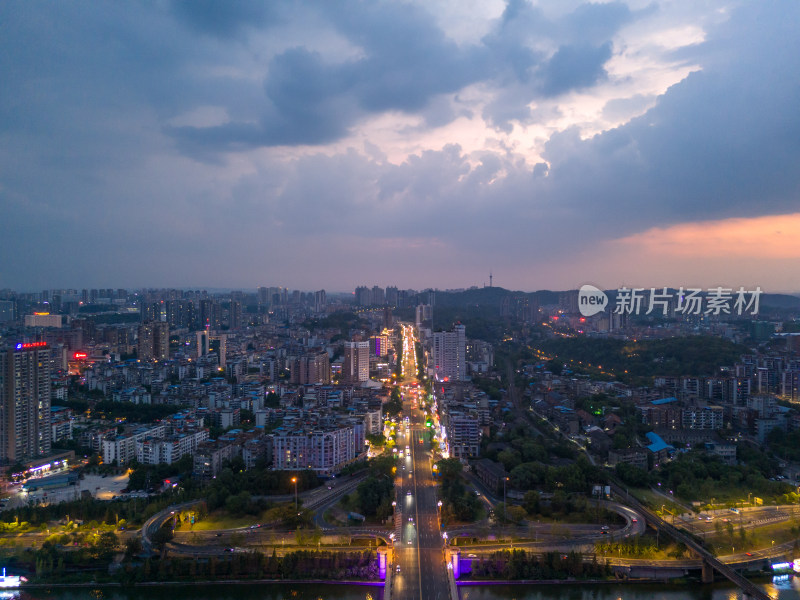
{"x": 356, "y": 362}
{"x": 450, "y": 354}
{"x": 25, "y": 430}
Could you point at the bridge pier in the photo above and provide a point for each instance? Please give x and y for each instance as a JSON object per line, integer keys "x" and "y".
{"x": 383, "y": 560}
{"x": 455, "y": 566}
{"x": 707, "y": 574}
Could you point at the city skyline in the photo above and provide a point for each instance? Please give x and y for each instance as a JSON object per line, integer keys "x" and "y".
{"x": 325, "y": 146}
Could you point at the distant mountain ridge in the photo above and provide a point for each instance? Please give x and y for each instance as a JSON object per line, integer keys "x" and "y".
{"x": 494, "y": 296}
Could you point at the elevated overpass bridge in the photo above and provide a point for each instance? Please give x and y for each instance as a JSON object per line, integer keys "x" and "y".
{"x": 710, "y": 563}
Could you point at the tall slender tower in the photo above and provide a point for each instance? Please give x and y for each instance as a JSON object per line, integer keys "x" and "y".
{"x": 25, "y": 402}
{"x": 356, "y": 362}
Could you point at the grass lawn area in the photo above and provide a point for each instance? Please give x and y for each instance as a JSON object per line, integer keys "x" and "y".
{"x": 219, "y": 520}
{"x": 780, "y": 533}
{"x": 646, "y": 546}
{"x": 330, "y": 518}
{"x": 756, "y": 539}
{"x": 655, "y": 502}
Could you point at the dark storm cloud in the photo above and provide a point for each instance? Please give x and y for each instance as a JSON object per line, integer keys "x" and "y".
{"x": 405, "y": 63}
{"x": 92, "y": 190}
{"x": 225, "y": 19}
{"x": 307, "y": 104}
{"x": 574, "y": 68}
{"x": 725, "y": 142}
{"x": 523, "y": 74}
{"x": 595, "y": 24}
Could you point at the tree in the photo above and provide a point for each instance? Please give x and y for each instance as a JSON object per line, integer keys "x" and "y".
{"x": 376, "y": 440}
{"x": 632, "y": 475}
{"x": 238, "y": 504}
{"x": 532, "y": 502}
{"x": 555, "y": 367}
{"x": 133, "y": 547}
{"x": 272, "y": 400}
{"x": 162, "y": 536}
{"x": 450, "y": 468}
{"x": 394, "y": 405}
{"x": 107, "y": 541}
{"x": 247, "y": 416}
{"x": 515, "y": 514}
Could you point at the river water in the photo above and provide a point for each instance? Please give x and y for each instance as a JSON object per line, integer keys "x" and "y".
{"x": 788, "y": 589}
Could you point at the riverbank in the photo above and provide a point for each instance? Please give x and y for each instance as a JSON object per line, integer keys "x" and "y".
{"x": 116, "y": 584}
{"x": 459, "y": 583}
{"x": 474, "y": 582}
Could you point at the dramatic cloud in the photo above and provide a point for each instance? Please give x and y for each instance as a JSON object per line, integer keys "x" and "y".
{"x": 326, "y": 144}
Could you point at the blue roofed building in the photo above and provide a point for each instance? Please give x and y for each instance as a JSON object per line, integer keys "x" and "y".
{"x": 661, "y": 401}
{"x": 661, "y": 450}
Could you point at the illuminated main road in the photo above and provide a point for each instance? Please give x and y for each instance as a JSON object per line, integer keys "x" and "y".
{"x": 419, "y": 549}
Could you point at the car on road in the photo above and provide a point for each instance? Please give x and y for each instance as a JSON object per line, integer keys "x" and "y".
{"x": 408, "y": 493}
{"x": 749, "y": 553}
{"x": 398, "y": 568}
{"x": 605, "y": 528}
{"x": 634, "y": 520}
{"x": 410, "y": 519}
{"x": 409, "y": 542}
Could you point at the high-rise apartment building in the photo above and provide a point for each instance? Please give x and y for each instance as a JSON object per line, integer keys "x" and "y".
{"x": 235, "y": 315}
{"x": 391, "y": 296}
{"x": 378, "y": 296}
{"x": 6, "y": 311}
{"x": 210, "y": 315}
{"x": 363, "y": 296}
{"x": 152, "y": 311}
{"x": 449, "y": 354}
{"x": 320, "y": 301}
{"x": 181, "y": 313}
{"x": 25, "y": 430}
{"x": 310, "y": 369}
{"x": 154, "y": 341}
{"x": 424, "y": 316}
{"x": 379, "y": 345}
{"x": 463, "y": 434}
{"x": 356, "y": 362}
{"x": 43, "y": 320}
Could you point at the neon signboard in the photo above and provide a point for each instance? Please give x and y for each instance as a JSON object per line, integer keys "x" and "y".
{"x": 21, "y": 346}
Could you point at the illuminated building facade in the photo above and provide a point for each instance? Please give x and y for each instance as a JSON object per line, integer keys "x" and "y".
{"x": 25, "y": 431}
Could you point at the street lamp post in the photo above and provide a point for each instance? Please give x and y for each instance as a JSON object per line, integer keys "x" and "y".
{"x": 505, "y": 512}
{"x": 294, "y": 481}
